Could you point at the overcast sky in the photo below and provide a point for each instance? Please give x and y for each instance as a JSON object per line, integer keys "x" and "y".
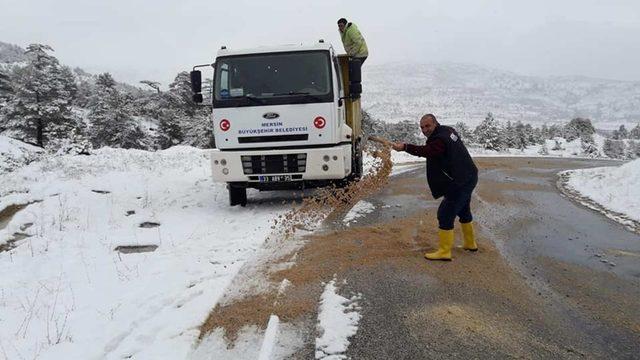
{"x": 154, "y": 39}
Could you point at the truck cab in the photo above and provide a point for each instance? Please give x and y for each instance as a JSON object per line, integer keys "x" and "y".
{"x": 285, "y": 117}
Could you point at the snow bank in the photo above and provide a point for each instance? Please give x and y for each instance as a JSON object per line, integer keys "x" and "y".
{"x": 337, "y": 321}
{"x": 357, "y": 211}
{"x": 66, "y": 291}
{"x": 615, "y": 188}
{"x": 15, "y": 153}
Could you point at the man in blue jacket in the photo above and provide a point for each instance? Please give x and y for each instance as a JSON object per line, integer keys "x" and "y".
{"x": 450, "y": 173}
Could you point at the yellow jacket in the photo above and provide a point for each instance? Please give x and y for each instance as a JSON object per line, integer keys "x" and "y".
{"x": 353, "y": 41}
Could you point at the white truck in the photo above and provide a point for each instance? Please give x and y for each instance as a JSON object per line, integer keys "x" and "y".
{"x": 284, "y": 117}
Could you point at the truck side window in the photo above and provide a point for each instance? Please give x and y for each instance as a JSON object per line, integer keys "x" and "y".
{"x": 223, "y": 81}
{"x": 336, "y": 65}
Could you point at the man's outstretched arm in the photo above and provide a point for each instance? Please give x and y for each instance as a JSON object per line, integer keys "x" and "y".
{"x": 431, "y": 150}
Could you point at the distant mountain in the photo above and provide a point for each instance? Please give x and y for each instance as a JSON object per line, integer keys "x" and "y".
{"x": 10, "y": 53}
{"x": 463, "y": 92}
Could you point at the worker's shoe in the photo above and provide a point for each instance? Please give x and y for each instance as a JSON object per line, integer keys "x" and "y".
{"x": 469, "y": 236}
{"x": 444, "y": 247}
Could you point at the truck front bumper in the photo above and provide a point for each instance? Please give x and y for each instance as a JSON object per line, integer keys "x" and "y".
{"x": 326, "y": 163}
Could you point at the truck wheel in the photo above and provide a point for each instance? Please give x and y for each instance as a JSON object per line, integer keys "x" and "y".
{"x": 237, "y": 196}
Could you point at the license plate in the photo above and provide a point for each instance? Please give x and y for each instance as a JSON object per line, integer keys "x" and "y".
{"x": 274, "y": 178}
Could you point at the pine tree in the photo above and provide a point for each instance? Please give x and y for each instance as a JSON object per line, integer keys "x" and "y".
{"x": 510, "y": 136}
{"x": 544, "y": 131}
{"x": 588, "y": 146}
{"x": 613, "y": 148}
{"x": 465, "y": 132}
{"x": 488, "y": 134}
{"x": 622, "y": 133}
{"x": 404, "y": 131}
{"x": 110, "y": 114}
{"x": 520, "y": 136}
{"x": 200, "y": 132}
{"x": 633, "y": 149}
{"x": 578, "y": 127}
{"x": 5, "y": 85}
{"x": 40, "y": 110}
{"x": 635, "y": 133}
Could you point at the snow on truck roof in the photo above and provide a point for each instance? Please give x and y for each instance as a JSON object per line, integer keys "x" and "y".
{"x": 277, "y": 48}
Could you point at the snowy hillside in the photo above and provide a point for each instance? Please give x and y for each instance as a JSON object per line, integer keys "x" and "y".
{"x": 462, "y": 92}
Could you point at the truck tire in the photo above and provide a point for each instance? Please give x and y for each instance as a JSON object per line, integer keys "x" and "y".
{"x": 237, "y": 195}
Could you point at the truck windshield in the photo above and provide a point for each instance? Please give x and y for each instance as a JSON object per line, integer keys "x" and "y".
{"x": 273, "y": 78}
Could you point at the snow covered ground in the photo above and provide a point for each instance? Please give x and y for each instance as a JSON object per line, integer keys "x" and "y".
{"x": 67, "y": 293}
{"x": 612, "y": 190}
{"x": 14, "y": 154}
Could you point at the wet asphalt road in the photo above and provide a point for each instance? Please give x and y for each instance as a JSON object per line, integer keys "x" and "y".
{"x": 552, "y": 279}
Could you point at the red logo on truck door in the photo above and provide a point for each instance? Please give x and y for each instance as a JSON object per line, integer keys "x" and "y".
{"x": 319, "y": 122}
{"x": 225, "y": 125}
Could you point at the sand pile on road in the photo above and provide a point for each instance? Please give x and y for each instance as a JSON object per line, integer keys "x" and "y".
{"x": 327, "y": 200}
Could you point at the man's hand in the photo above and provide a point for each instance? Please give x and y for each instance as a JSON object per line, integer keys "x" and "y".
{"x": 398, "y": 146}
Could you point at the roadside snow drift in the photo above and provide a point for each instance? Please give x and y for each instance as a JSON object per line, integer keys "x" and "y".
{"x": 614, "y": 188}
{"x": 122, "y": 254}
{"x": 338, "y": 319}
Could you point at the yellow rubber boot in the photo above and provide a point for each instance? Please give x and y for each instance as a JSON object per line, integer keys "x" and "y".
{"x": 444, "y": 248}
{"x": 469, "y": 237}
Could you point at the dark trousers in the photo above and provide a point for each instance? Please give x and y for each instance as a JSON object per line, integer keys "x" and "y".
{"x": 456, "y": 203}
{"x": 362, "y": 59}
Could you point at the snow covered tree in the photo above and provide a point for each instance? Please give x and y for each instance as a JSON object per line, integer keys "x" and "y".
{"x": 635, "y": 133}
{"x": 614, "y": 148}
{"x": 200, "y": 132}
{"x": 372, "y": 126}
{"x": 5, "y": 85}
{"x": 588, "y": 146}
{"x": 520, "y": 136}
{"x": 510, "y": 136}
{"x": 554, "y": 131}
{"x": 465, "y": 132}
{"x": 405, "y": 131}
{"x": 633, "y": 149}
{"x": 488, "y": 134}
{"x": 110, "y": 114}
{"x": 40, "y": 109}
{"x": 621, "y": 133}
{"x": 578, "y": 127}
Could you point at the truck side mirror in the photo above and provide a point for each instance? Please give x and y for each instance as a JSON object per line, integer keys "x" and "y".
{"x": 196, "y": 81}
{"x": 197, "y": 98}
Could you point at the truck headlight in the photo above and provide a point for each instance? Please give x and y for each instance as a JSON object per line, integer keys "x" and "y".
{"x": 325, "y": 167}
{"x": 223, "y": 162}
{"x": 225, "y": 171}
{"x": 326, "y": 158}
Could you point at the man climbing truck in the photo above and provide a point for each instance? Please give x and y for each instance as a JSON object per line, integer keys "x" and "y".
{"x": 284, "y": 117}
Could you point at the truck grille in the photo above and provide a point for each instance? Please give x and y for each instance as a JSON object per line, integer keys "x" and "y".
{"x": 274, "y": 164}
